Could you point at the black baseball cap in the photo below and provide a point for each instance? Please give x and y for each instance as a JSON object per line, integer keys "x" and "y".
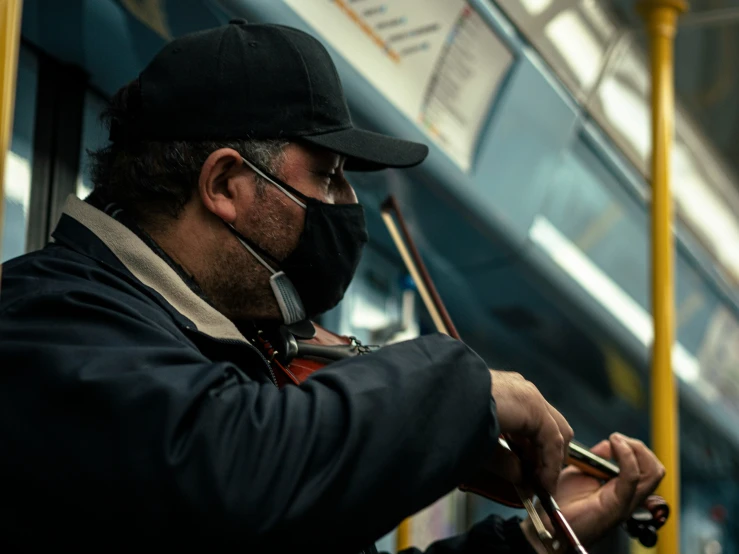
{"x": 255, "y": 81}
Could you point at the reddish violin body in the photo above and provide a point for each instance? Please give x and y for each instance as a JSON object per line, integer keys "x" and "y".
{"x": 295, "y": 359}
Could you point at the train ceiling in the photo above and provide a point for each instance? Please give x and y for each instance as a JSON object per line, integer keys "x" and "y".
{"x": 706, "y": 57}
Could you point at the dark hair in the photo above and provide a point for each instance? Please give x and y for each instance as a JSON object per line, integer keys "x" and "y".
{"x": 154, "y": 180}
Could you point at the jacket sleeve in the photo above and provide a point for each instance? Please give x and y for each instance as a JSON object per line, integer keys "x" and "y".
{"x": 106, "y": 403}
{"x": 492, "y": 535}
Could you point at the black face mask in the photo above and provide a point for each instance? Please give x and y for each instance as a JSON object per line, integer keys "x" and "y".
{"x": 313, "y": 278}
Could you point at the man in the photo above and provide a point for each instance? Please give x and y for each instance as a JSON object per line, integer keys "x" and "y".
{"x": 137, "y": 410}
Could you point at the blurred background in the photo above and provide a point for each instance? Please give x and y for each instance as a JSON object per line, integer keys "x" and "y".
{"x": 532, "y": 211}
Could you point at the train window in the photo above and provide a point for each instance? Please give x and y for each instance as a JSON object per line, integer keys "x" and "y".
{"x": 19, "y": 159}
{"x": 621, "y": 104}
{"x": 591, "y": 210}
{"x": 94, "y": 136}
{"x": 572, "y": 36}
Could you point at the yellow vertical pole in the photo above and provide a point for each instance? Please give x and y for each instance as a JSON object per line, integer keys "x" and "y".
{"x": 403, "y": 537}
{"x": 10, "y": 34}
{"x": 661, "y": 21}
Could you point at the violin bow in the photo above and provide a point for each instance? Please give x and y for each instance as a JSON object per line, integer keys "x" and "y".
{"x": 443, "y": 323}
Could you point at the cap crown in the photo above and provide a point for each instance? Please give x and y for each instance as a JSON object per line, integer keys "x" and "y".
{"x": 240, "y": 81}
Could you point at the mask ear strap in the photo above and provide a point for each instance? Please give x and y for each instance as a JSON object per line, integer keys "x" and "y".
{"x": 253, "y": 251}
{"x": 288, "y": 299}
{"x": 292, "y": 194}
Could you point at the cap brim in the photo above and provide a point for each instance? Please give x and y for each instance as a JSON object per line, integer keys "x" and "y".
{"x": 368, "y": 151}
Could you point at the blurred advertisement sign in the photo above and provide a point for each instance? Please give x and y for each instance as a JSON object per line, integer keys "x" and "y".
{"x": 437, "y": 61}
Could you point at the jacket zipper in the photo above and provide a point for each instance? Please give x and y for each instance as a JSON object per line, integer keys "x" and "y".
{"x": 272, "y": 375}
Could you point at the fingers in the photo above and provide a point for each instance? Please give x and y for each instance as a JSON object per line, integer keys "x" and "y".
{"x": 593, "y": 507}
{"x": 564, "y": 427}
{"x": 628, "y": 480}
{"x": 523, "y": 413}
{"x": 550, "y": 445}
{"x": 651, "y": 470}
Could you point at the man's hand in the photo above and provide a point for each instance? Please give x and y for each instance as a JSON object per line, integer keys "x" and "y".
{"x": 592, "y": 509}
{"x": 532, "y": 423}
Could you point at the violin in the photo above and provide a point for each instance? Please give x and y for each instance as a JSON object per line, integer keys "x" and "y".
{"x": 295, "y": 354}
{"x": 296, "y": 351}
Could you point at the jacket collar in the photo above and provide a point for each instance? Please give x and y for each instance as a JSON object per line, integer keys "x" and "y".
{"x": 149, "y": 268}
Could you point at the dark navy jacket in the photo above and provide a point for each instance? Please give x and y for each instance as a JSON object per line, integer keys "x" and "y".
{"x": 135, "y": 415}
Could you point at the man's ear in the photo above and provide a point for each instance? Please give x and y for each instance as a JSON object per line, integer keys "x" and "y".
{"x": 221, "y": 183}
